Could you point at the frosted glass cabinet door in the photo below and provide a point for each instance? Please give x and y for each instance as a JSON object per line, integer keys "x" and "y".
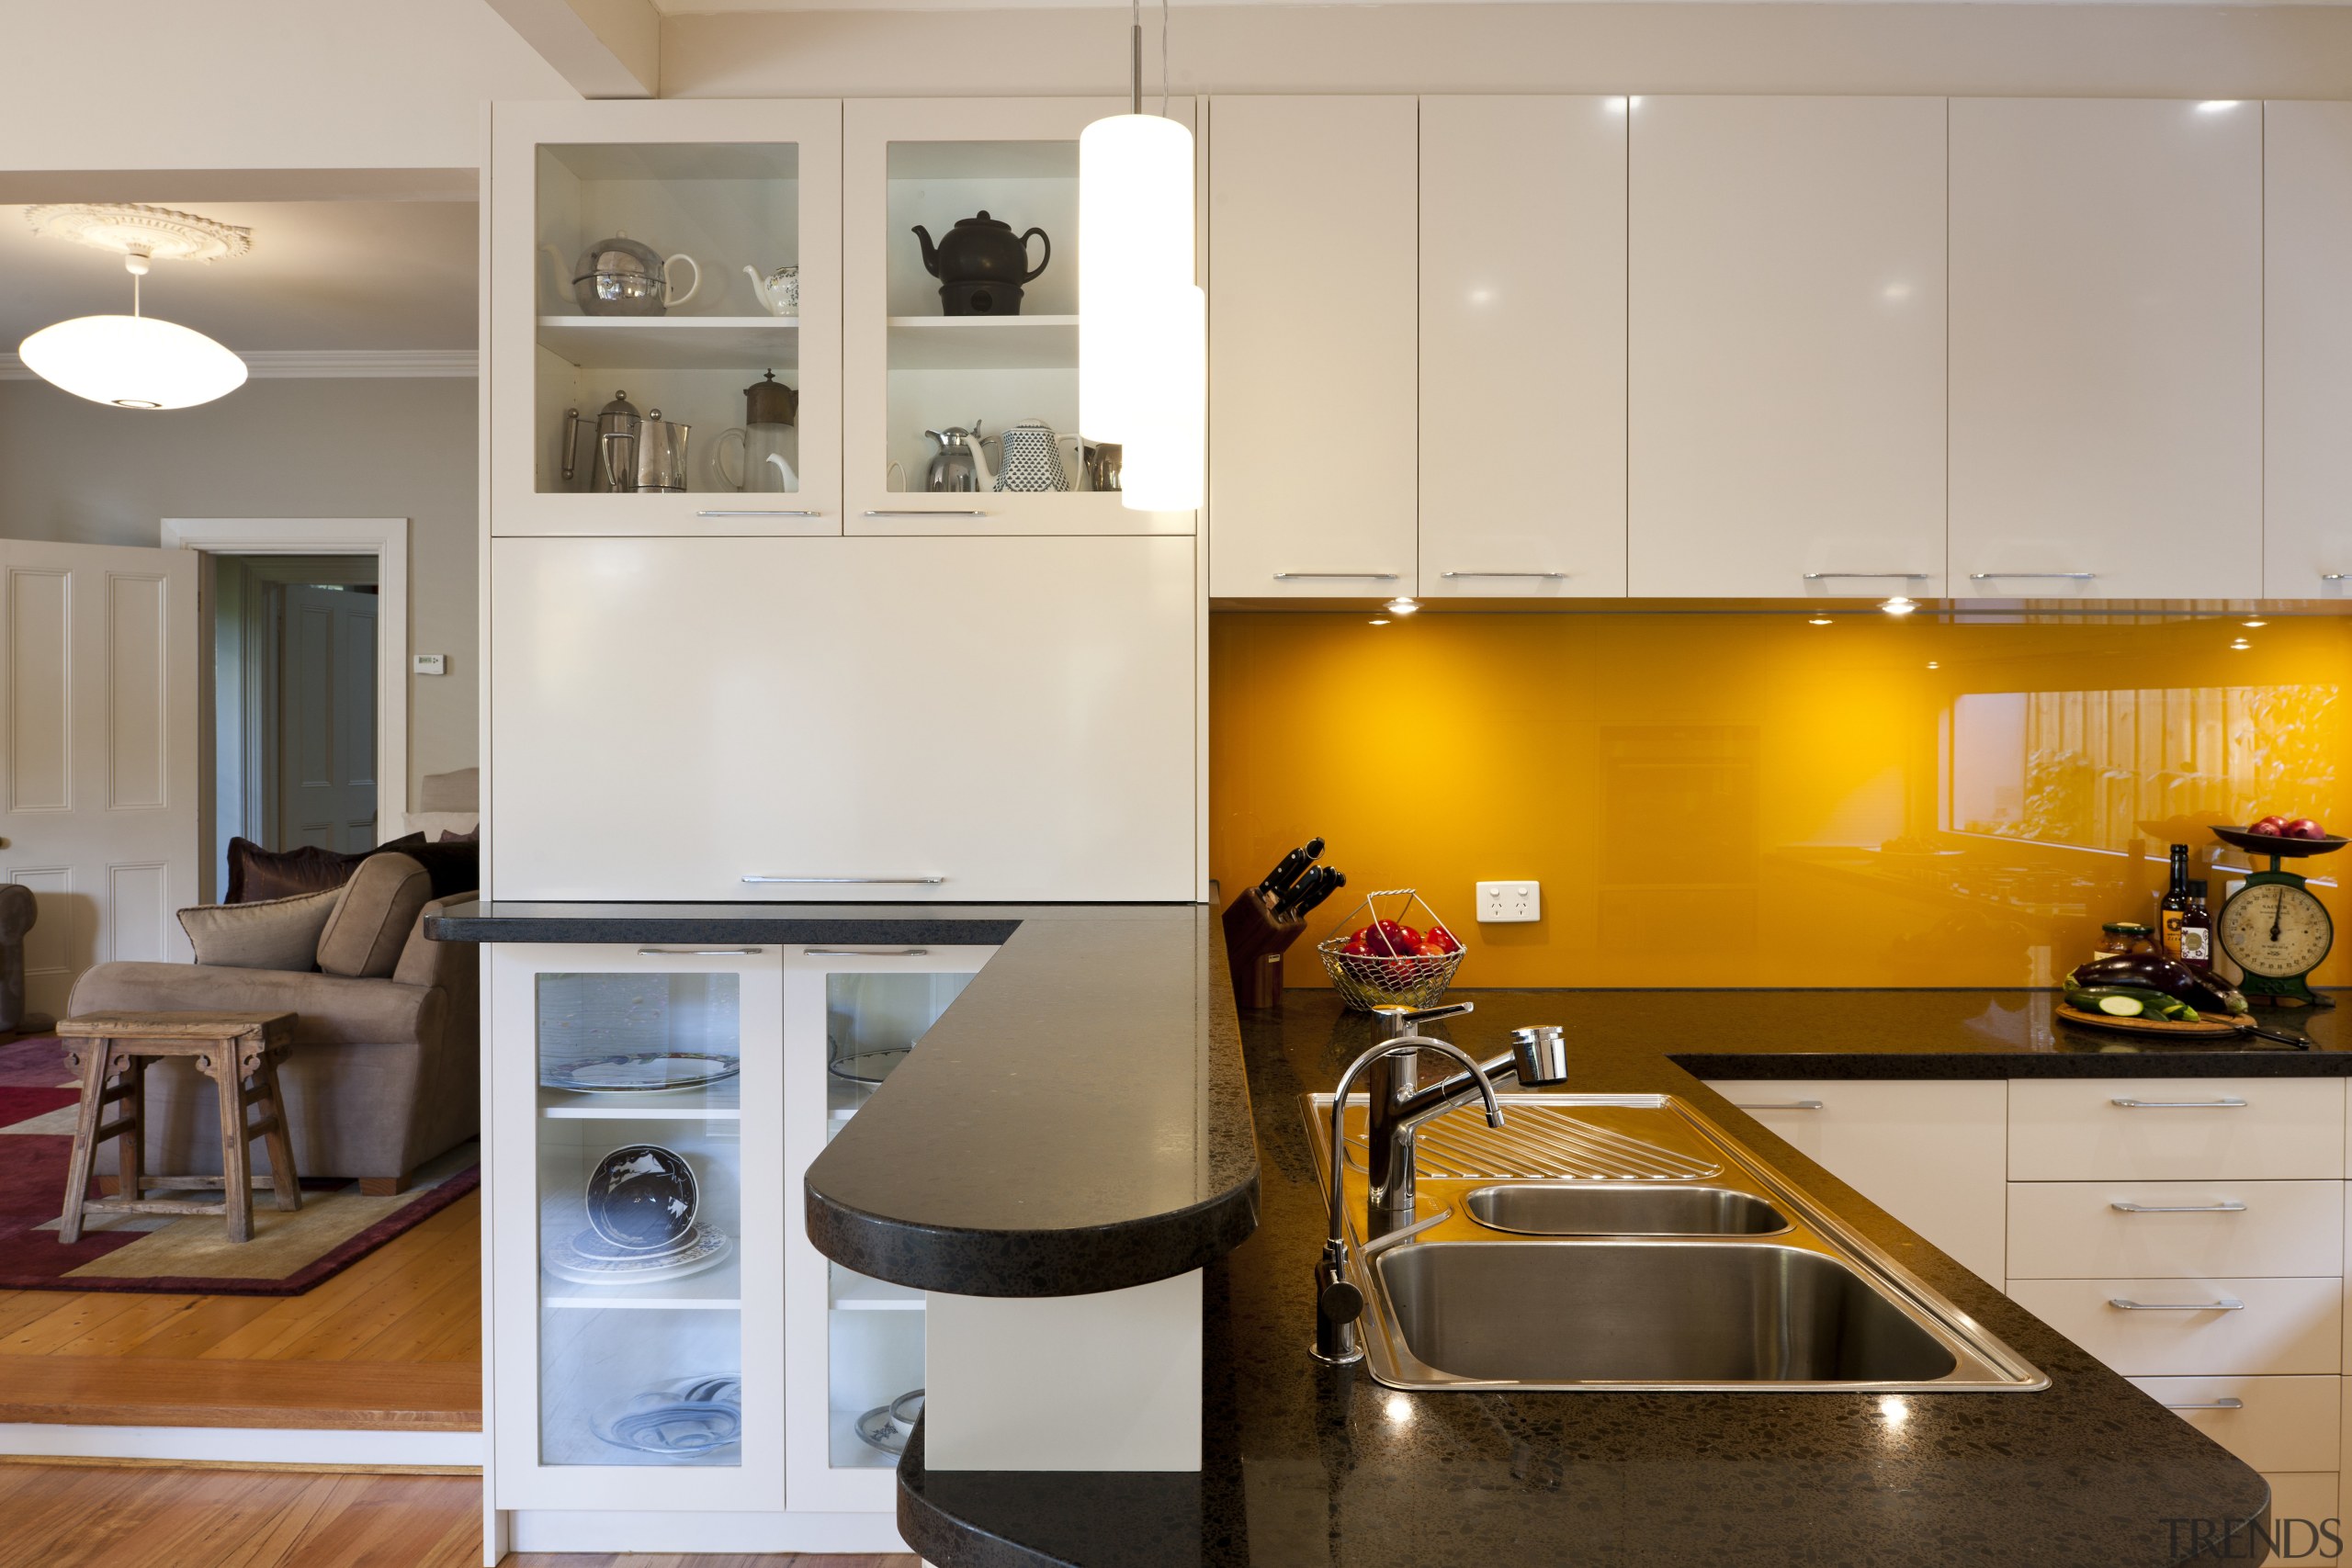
{"x": 2106, "y": 349}
{"x": 886, "y": 718}
{"x": 1787, "y": 346}
{"x": 1313, "y": 284}
{"x": 636, "y": 1226}
{"x": 2307, "y": 325}
{"x": 1522, "y": 344}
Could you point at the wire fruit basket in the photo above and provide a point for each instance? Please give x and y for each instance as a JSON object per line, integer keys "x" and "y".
{"x": 1386, "y": 961}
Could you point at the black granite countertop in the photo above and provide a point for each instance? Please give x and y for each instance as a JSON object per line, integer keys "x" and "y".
{"x": 1077, "y": 1120}
{"x": 1311, "y": 1467}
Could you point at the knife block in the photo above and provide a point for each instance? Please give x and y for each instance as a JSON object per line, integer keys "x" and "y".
{"x": 1254, "y": 942}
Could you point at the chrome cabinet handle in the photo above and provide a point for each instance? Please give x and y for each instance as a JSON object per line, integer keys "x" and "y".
{"x": 831, "y": 880}
{"x": 1781, "y": 1105}
{"x": 866, "y": 952}
{"x": 2212, "y": 1404}
{"x": 2227, "y": 1102}
{"x": 700, "y": 951}
{"x": 2335, "y": 576}
{"x": 2226, "y": 1206}
{"x": 755, "y": 511}
{"x": 1335, "y": 577}
{"x": 1502, "y": 574}
{"x": 1828, "y": 576}
{"x": 2067, "y": 576}
{"x": 2227, "y": 1303}
{"x": 931, "y": 512}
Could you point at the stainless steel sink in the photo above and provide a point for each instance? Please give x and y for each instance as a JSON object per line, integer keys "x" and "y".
{"x": 1651, "y": 1252}
{"x": 1603, "y": 1209}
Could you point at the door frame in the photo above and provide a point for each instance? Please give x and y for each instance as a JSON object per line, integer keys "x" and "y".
{"x": 385, "y": 538}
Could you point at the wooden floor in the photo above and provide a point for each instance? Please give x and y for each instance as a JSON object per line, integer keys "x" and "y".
{"x": 117, "y": 1517}
{"x": 393, "y": 1341}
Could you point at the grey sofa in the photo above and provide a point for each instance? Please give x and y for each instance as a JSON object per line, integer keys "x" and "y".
{"x": 385, "y": 1073}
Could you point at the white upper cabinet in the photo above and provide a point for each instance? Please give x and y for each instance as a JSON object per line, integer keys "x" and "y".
{"x": 930, "y": 351}
{"x": 903, "y": 720}
{"x": 1312, "y": 346}
{"x": 1787, "y": 346}
{"x": 1523, "y": 347}
{"x": 2307, "y": 322}
{"x": 2106, "y": 348}
{"x": 722, "y": 188}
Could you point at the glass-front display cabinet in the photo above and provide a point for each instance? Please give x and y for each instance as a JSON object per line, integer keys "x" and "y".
{"x": 960, "y": 308}
{"x": 636, "y": 1239}
{"x": 853, "y": 1345}
{"x": 665, "y": 317}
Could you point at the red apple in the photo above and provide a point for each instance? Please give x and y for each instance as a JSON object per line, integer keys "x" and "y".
{"x": 1439, "y": 938}
{"x": 1390, "y": 938}
{"x": 2270, "y": 828}
{"x": 2305, "y": 828}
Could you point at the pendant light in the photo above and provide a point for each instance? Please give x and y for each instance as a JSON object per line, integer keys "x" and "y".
{"x": 1142, "y": 343}
{"x": 136, "y": 361}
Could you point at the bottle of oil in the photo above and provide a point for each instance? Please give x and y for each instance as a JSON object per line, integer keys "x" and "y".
{"x": 2173, "y": 906}
{"x": 2197, "y": 932}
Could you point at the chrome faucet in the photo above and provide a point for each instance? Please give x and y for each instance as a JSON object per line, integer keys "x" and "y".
{"x": 1399, "y": 1105}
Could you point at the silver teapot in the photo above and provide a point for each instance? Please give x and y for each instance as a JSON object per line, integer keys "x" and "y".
{"x": 619, "y": 277}
{"x": 960, "y": 464}
{"x": 611, "y": 460}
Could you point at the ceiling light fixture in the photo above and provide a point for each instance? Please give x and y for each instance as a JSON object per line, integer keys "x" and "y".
{"x": 1142, "y": 321}
{"x": 1899, "y": 605}
{"x": 136, "y": 361}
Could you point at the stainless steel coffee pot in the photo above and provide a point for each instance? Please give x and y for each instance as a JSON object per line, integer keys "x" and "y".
{"x": 960, "y": 464}
{"x": 609, "y": 465}
{"x": 661, "y": 455}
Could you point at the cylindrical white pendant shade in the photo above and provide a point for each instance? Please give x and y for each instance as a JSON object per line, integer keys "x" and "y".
{"x": 132, "y": 361}
{"x": 1163, "y": 461}
{"x": 1134, "y": 249}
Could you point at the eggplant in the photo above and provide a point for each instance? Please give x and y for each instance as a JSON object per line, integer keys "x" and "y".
{"x": 2154, "y": 971}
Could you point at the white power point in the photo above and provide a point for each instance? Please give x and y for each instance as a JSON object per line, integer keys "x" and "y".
{"x": 428, "y": 664}
{"x": 1500, "y": 902}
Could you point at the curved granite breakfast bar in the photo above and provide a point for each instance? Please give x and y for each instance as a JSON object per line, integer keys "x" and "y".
{"x": 1080, "y": 1115}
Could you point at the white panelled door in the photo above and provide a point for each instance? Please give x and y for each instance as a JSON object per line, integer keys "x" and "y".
{"x": 326, "y": 709}
{"x": 98, "y": 666}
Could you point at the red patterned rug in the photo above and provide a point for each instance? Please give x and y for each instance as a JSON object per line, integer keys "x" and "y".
{"x": 192, "y": 1254}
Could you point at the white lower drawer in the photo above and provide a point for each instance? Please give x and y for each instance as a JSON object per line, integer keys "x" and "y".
{"x": 2066, "y": 1230}
{"x": 2177, "y": 1328}
{"x": 2176, "y": 1129}
{"x": 2276, "y": 1424}
{"x": 2304, "y": 1527}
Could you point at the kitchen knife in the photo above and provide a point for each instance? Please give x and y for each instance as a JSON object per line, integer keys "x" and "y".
{"x": 1287, "y": 871}
{"x": 1327, "y": 883}
{"x": 1286, "y": 907}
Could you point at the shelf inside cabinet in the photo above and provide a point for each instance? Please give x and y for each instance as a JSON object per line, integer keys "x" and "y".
{"x": 678, "y": 342}
{"x": 983, "y": 343}
{"x": 721, "y": 1102}
{"x": 713, "y": 1289}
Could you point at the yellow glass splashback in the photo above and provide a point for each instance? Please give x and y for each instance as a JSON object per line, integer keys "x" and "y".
{"x": 1754, "y": 799}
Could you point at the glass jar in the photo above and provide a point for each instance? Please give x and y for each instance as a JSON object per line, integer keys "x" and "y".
{"x": 2120, "y": 937}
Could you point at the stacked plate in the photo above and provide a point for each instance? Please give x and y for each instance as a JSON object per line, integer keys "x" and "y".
{"x": 589, "y": 1259}
{"x": 639, "y": 1072}
{"x": 688, "y": 1419}
{"x": 642, "y": 1227}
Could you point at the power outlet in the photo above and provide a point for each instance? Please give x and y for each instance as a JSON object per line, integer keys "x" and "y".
{"x": 1501, "y": 902}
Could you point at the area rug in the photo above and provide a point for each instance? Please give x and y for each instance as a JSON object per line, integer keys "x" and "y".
{"x": 179, "y": 1254}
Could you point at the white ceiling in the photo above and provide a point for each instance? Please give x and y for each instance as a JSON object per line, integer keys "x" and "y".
{"x": 322, "y": 275}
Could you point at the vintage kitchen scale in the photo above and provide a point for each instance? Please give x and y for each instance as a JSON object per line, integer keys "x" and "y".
{"x": 2274, "y": 927}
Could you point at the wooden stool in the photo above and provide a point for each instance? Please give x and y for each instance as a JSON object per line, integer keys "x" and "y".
{"x": 228, "y": 1048}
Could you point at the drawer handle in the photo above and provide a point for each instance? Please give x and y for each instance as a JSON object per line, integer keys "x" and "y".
{"x": 2226, "y": 1206}
{"x": 866, "y": 952}
{"x": 755, "y": 511}
{"x": 2228, "y": 1103}
{"x": 699, "y": 951}
{"x": 2227, "y": 1303}
{"x": 1834, "y": 576}
{"x": 1502, "y": 574}
{"x": 1335, "y": 577}
{"x": 833, "y": 880}
{"x": 1780, "y": 1105}
{"x": 931, "y": 512}
{"x": 2212, "y": 1404}
{"x": 2061, "y": 576}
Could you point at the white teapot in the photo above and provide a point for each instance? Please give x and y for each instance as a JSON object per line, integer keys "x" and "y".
{"x": 779, "y": 290}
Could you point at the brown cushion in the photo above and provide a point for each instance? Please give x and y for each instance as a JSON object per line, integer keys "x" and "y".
{"x": 372, "y": 916}
{"x": 454, "y": 866}
{"x": 449, "y": 836}
{"x": 257, "y": 873}
{"x": 278, "y": 933}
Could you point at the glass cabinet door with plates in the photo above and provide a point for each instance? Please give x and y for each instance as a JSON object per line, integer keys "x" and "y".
{"x": 636, "y": 1226}
{"x": 665, "y": 346}
{"x": 960, "y": 307}
{"x": 853, "y": 1354}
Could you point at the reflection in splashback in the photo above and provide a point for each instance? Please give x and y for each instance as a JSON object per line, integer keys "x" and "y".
{"x": 1753, "y": 799}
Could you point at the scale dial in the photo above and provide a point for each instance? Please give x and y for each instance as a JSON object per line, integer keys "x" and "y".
{"x": 2276, "y": 930}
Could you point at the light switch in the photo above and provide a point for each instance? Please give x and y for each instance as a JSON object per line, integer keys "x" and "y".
{"x": 429, "y": 663}
{"x": 1503, "y": 902}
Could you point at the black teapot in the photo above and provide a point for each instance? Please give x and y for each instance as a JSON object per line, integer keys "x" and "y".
{"x": 981, "y": 264}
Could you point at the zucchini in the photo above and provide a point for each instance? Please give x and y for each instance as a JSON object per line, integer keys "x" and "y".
{"x": 2130, "y": 1001}
{"x": 2117, "y": 1004}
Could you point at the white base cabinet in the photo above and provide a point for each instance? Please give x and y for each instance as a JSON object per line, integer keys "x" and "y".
{"x": 986, "y": 719}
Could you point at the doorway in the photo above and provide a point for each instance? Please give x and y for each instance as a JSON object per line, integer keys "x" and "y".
{"x": 294, "y": 685}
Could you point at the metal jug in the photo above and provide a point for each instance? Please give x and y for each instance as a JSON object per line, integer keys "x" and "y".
{"x": 611, "y": 462}
{"x": 959, "y": 464}
{"x": 661, "y": 455}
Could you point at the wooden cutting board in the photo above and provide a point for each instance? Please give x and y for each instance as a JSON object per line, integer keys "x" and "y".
{"x": 2207, "y": 1028}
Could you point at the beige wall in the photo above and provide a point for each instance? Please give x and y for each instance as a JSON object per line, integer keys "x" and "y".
{"x": 2104, "y": 49}
{"x": 71, "y": 471}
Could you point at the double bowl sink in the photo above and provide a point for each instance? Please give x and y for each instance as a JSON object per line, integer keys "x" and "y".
{"x": 1625, "y": 1242}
